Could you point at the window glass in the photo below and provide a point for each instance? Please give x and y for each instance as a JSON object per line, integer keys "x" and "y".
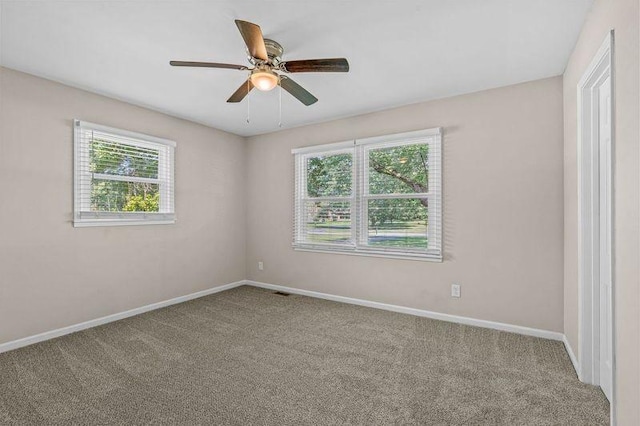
{"x": 400, "y": 223}
{"x": 329, "y": 176}
{"x": 327, "y": 222}
{"x": 399, "y": 170}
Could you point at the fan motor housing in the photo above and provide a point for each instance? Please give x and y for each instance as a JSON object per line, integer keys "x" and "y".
{"x": 274, "y": 49}
{"x": 274, "y": 52}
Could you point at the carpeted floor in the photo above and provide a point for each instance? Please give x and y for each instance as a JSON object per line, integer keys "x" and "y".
{"x": 248, "y": 356}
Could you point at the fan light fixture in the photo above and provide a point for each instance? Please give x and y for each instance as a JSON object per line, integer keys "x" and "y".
{"x": 264, "y": 80}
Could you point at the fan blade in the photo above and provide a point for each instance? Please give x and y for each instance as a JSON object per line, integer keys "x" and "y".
{"x": 252, "y": 35}
{"x": 298, "y": 92}
{"x": 317, "y": 65}
{"x": 206, "y": 65}
{"x": 242, "y": 91}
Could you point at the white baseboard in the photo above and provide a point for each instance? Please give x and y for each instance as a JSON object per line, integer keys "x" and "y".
{"x": 572, "y": 355}
{"x": 545, "y": 334}
{"x": 15, "y": 344}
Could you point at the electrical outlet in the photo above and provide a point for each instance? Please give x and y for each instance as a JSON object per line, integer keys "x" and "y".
{"x": 455, "y": 290}
{"x": 260, "y": 266}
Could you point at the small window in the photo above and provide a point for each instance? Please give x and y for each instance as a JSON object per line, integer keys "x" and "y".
{"x": 121, "y": 177}
{"x": 377, "y": 196}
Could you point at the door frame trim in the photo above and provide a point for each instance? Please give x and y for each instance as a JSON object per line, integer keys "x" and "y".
{"x": 601, "y": 67}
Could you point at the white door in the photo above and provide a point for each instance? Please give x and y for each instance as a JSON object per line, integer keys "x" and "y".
{"x": 605, "y": 176}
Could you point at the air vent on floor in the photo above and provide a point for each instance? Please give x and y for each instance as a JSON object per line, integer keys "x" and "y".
{"x": 279, "y": 293}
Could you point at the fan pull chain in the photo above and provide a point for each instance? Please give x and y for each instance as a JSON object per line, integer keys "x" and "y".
{"x": 279, "y": 102}
{"x": 248, "y": 99}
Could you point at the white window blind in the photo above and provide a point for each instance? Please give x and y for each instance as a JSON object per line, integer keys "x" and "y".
{"x": 378, "y": 196}
{"x": 121, "y": 177}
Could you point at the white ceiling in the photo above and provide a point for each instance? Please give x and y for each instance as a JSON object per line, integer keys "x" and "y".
{"x": 400, "y": 52}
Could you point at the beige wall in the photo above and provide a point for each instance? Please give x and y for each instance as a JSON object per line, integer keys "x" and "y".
{"x": 622, "y": 16}
{"x": 503, "y": 206}
{"x": 53, "y": 275}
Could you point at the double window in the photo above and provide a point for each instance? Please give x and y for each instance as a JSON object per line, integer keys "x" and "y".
{"x": 376, "y": 196}
{"x": 121, "y": 177}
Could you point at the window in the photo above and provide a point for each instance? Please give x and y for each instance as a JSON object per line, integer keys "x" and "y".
{"x": 121, "y": 178}
{"x": 376, "y": 196}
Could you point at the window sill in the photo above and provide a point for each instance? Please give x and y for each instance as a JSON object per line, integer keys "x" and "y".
{"x": 424, "y": 257}
{"x": 112, "y": 222}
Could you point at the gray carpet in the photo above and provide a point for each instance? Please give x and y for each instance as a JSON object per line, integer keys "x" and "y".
{"x": 248, "y": 356}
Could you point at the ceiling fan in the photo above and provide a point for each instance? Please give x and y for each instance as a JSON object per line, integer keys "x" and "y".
{"x": 267, "y": 68}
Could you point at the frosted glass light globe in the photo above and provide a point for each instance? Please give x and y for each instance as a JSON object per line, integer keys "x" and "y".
{"x": 264, "y": 80}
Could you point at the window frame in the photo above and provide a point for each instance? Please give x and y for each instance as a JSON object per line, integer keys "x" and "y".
{"x": 84, "y": 217}
{"x": 360, "y": 195}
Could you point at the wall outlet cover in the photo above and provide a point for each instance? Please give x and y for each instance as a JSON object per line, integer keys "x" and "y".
{"x": 455, "y": 290}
